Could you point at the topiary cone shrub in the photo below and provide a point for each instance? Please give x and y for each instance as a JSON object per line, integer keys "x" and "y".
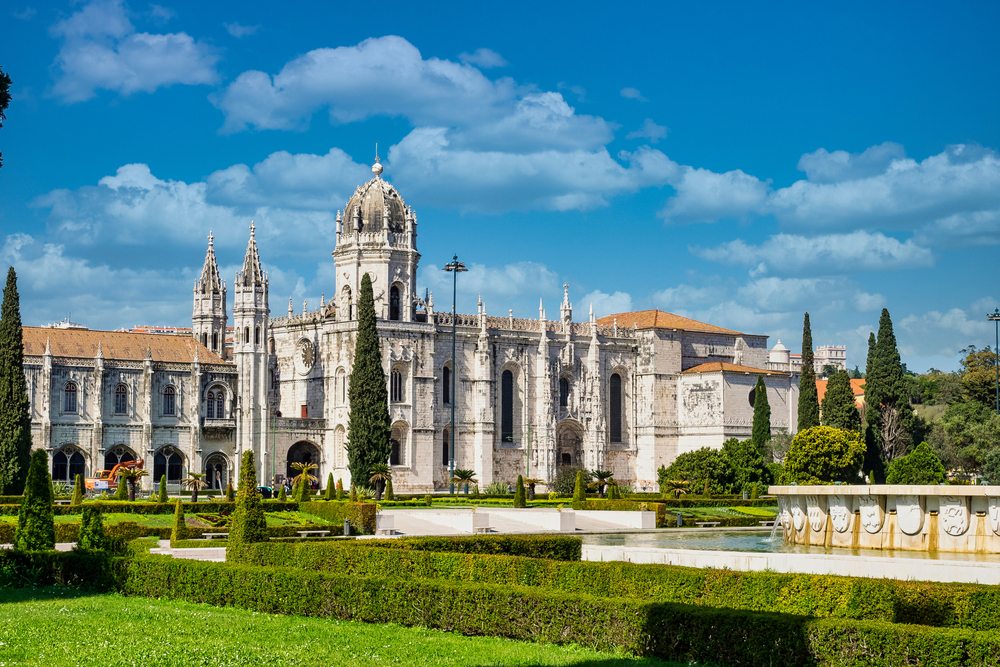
{"x": 282, "y": 496}
{"x": 77, "y": 491}
{"x": 92, "y": 535}
{"x": 389, "y": 495}
{"x": 179, "y": 530}
{"x": 579, "y": 491}
{"x": 163, "y": 489}
{"x": 328, "y": 494}
{"x": 36, "y": 529}
{"x": 122, "y": 492}
{"x": 340, "y": 489}
{"x": 354, "y": 493}
{"x": 519, "y": 499}
{"x": 230, "y": 494}
{"x": 249, "y": 524}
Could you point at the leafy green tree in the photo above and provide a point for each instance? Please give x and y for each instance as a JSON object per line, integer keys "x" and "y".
{"x": 77, "y": 491}
{"x": 978, "y": 375}
{"x": 839, "y": 408}
{"x": 698, "y": 468}
{"x": 36, "y": 530}
{"x": 857, "y": 374}
{"x": 249, "y": 524}
{"x": 873, "y": 459}
{"x": 580, "y": 489}
{"x": 761, "y": 432}
{"x": 463, "y": 476}
{"x": 821, "y": 455}
{"x": 179, "y": 531}
{"x": 368, "y": 422}
{"x": 4, "y": 101}
{"x": 565, "y": 481}
{"x": 673, "y": 487}
{"x": 163, "y": 497}
{"x": 746, "y": 465}
{"x": 920, "y": 466}
{"x": 519, "y": 495}
{"x": 92, "y": 535}
{"x": 15, "y": 420}
{"x": 380, "y": 474}
{"x": 194, "y": 481}
{"x": 808, "y": 402}
{"x": 601, "y": 479}
{"x": 130, "y": 477}
{"x": 991, "y": 466}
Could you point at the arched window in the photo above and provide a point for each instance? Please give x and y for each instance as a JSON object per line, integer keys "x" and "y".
{"x": 272, "y": 346}
{"x": 256, "y": 335}
{"x": 446, "y": 386}
{"x": 215, "y": 341}
{"x": 210, "y": 405}
{"x": 216, "y": 471}
{"x": 69, "y": 404}
{"x": 397, "y": 441}
{"x": 121, "y": 399}
{"x": 168, "y": 401}
{"x": 346, "y": 303}
{"x": 394, "y": 454}
{"x": 396, "y": 386}
{"x": 67, "y": 463}
{"x": 394, "y": 303}
{"x": 507, "y": 407}
{"x": 446, "y": 447}
{"x": 616, "y": 408}
{"x": 168, "y": 461}
{"x": 246, "y": 334}
{"x": 341, "y": 388}
{"x": 204, "y": 339}
{"x": 220, "y": 404}
{"x": 117, "y": 455}
{"x": 753, "y": 396}
{"x": 563, "y": 392}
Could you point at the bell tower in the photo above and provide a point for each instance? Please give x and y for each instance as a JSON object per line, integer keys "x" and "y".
{"x": 209, "y": 317}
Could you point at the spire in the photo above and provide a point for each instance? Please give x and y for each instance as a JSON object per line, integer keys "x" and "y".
{"x": 566, "y": 309}
{"x": 291, "y": 311}
{"x": 210, "y": 281}
{"x": 48, "y": 350}
{"x": 252, "y": 272}
{"x": 541, "y": 310}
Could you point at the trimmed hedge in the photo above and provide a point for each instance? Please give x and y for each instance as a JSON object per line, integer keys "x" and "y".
{"x": 95, "y": 570}
{"x": 552, "y": 547}
{"x": 11, "y": 500}
{"x": 724, "y": 521}
{"x": 130, "y": 530}
{"x": 672, "y": 631}
{"x": 626, "y": 506}
{"x": 142, "y": 507}
{"x": 970, "y": 606}
{"x": 361, "y": 515}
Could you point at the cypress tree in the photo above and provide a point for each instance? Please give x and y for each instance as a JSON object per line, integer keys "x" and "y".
{"x": 885, "y": 387}
{"x": 761, "y": 433}
{"x": 579, "y": 491}
{"x": 91, "y": 530}
{"x": 230, "y": 494}
{"x": 77, "y": 491}
{"x": 340, "y": 489}
{"x": 36, "y": 529}
{"x": 249, "y": 524}
{"x": 368, "y": 424}
{"x": 839, "y": 410}
{"x": 873, "y": 459}
{"x": 519, "y": 499}
{"x": 163, "y": 489}
{"x": 389, "y": 495}
{"x": 15, "y": 420}
{"x": 808, "y": 402}
{"x": 179, "y": 530}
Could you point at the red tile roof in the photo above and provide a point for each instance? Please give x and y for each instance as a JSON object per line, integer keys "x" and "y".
{"x": 658, "y": 319}
{"x": 82, "y": 343}
{"x": 857, "y": 386}
{"x": 725, "y": 366}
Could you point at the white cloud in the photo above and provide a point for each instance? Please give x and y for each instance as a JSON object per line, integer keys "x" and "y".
{"x": 868, "y": 303}
{"x": 25, "y": 14}
{"x": 857, "y": 252}
{"x": 579, "y": 91}
{"x": 649, "y": 130}
{"x": 838, "y": 166}
{"x": 484, "y": 58}
{"x": 101, "y": 49}
{"x": 162, "y": 13}
{"x": 975, "y": 228}
{"x": 604, "y": 304}
{"x": 704, "y": 195}
{"x": 941, "y": 333}
{"x": 633, "y": 94}
{"x": 239, "y": 31}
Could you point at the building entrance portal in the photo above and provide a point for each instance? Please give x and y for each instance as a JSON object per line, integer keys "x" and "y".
{"x": 569, "y": 444}
{"x": 302, "y": 452}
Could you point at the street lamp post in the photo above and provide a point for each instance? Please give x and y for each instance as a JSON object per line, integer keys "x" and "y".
{"x": 455, "y": 267}
{"x": 995, "y": 318}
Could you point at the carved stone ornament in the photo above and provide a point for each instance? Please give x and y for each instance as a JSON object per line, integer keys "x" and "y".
{"x": 872, "y": 513}
{"x": 817, "y": 518}
{"x": 784, "y": 515}
{"x": 306, "y": 354}
{"x": 840, "y": 513}
{"x": 798, "y": 516}
{"x": 954, "y": 514}
{"x": 909, "y": 514}
{"x": 994, "y": 513}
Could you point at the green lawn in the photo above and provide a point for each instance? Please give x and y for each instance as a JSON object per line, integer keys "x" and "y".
{"x": 58, "y": 627}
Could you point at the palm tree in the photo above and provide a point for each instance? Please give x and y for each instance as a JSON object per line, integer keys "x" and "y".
{"x": 380, "y": 474}
{"x": 674, "y": 486}
{"x": 530, "y": 483}
{"x": 304, "y": 477}
{"x": 194, "y": 482}
{"x": 602, "y": 478}
{"x": 132, "y": 477}
{"x": 466, "y": 477}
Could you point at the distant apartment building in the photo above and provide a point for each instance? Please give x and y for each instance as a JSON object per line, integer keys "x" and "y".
{"x": 780, "y": 358}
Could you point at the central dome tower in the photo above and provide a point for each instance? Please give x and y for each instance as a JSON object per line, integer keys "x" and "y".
{"x": 377, "y": 235}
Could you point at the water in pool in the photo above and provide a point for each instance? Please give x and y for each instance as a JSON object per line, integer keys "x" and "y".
{"x": 753, "y": 540}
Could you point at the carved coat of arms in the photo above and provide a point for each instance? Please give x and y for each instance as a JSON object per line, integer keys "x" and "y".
{"x": 840, "y": 513}
{"x": 871, "y": 513}
{"x": 909, "y": 514}
{"x": 798, "y": 516}
{"x": 817, "y": 519}
{"x": 954, "y": 514}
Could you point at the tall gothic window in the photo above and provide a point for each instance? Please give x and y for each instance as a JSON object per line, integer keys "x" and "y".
{"x": 446, "y": 387}
{"x": 70, "y": 402}
{"x": 168, "y": 401}
{"x": 215, "y": 341}
{"x": 246, "y": 335}
{"x": 210, "y": 405}
{"x": 394, "y": 303}
{"x": 396, "y": 386}
{"x": 563, "y": 392}
{"x": 67, "y": 464}
{"x": 168, "y": 461}
{"x": 220, "y": 404}
{"x": 256, "y": 335}
{"x": 204, "y": 339}
{"x": 616, "y": 408}
{"x": 394, "y": 455}
{"x": 507, "y": 407}
{"x": 446, "y": 446}
{"x": 121, "y": 399}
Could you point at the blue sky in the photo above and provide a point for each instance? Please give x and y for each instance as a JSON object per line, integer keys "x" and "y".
{"x": 731, "y": 162}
